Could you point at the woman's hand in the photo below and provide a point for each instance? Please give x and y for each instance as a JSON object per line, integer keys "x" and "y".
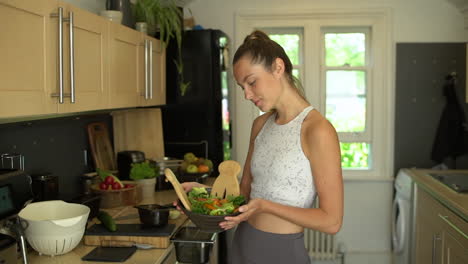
{"x": 254, "y": 206}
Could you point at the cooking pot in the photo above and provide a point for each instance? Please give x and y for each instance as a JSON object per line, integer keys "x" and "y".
{"x": 153, "y": 214}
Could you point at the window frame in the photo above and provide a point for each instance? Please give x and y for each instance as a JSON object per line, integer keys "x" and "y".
{"x": 351, "y": 137}
{"x": 381, "y": 100}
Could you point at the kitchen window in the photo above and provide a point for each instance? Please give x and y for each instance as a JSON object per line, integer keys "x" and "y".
{"x": 344, "y": 61}
{"x": 345, "y": 71}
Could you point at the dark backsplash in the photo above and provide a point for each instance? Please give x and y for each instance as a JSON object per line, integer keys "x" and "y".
{"x": 55, "y": 146}
{"x": 421, "y": 69}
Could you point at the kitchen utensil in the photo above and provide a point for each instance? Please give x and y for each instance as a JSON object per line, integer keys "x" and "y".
{"x": 139, "y": 129}
{"x": 192, "y": 246}
{"x": 122, "y": 197}
{"x": 45, "y": 186}
{"x": 125, "y": 160}
{"x": 54, "y": 227}
{"x": 178, "y": 188}
{"x": 166, "y": 162}
{"x": 8, "y": 253}
{"x": 227, "y": 184}
{"x": 12, "y": 161}
{"x": 129, "y": 234}
{"x": 110, "y": 254}
{"x": 112, "y": 15}
{"x": 15, "y": 191}
{"x": 153, "y": 214}
{"x": 101, "y": 148}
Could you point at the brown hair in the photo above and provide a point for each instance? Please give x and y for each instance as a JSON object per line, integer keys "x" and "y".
{"x": 262, "y": 50}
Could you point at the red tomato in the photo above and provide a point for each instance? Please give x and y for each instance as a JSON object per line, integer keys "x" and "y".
{"x": 109, "y": 180}
{"x": 128, "y": 185}
{"x": 103, "y": 186}
{"x": 116, "y": 186}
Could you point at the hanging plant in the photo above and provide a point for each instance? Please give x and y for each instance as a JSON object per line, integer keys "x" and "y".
{"x": 165, "y": 17}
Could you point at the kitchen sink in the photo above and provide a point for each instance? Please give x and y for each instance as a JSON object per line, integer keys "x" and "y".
{"x": 455, "y": 181}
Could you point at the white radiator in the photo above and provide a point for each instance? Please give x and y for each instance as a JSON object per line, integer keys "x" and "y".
{"x": 321, "y": 246}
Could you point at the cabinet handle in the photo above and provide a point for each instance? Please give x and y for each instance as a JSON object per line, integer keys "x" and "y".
{"x": 146, "y": 69}
{"x": 61, "y": 93}
{"x": 72, "y": 57}
{"x": 60, "y": 53}
{"x": 150, "y": 87}
{"x": 435, "y": 238}
{"x": 446, "y": 219}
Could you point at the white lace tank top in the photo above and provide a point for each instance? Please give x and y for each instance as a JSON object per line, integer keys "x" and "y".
{"x": 280, "y": 170}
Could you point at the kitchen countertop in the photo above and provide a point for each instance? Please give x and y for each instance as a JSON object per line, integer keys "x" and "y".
{"x": 148, "y": 256}
{"x": 456, "y": 202}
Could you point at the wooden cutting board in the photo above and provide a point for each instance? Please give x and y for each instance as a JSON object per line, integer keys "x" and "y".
{"x": 139, "y": 129}
{"x": 128, "y": 234}
{"x": 101, "y": 148}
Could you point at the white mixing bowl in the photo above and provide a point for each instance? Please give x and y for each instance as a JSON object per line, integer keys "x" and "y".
{"x": 54, "y": 227}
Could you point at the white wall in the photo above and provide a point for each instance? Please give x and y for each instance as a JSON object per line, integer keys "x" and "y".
{"x": 94, "y": 6}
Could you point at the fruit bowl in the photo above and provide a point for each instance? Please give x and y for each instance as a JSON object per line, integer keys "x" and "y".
{"x": 121, "y": 197}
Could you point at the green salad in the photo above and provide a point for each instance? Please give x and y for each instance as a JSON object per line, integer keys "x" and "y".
{"x": 203, "y": 203}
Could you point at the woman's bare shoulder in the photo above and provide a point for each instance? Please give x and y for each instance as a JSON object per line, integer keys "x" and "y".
{"x": 260, "y": 121}
{"x": 317, "y": 126}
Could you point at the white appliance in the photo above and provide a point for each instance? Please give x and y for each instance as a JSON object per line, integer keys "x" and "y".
{"x": 402, "y": 218}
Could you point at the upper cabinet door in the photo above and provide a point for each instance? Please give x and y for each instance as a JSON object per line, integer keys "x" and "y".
{"x": 124, "y": 66}
{"x": 153, "y": 76}
{"x": 85, "y": 60}
{"x": 27, "y": 73}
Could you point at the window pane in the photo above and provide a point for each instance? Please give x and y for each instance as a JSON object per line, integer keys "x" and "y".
{"x": 345, "y": 49}
{"x": 290, "y": 44}
{"x": 346, "y": 100}
{"x": 355, "y": 155}
{"x": 295, "y": 73}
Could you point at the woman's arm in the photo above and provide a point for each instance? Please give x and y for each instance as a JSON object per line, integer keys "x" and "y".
{"x": 320, "y": 144}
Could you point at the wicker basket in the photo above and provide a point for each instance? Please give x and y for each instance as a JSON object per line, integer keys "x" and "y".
{"x": 116, "y": 198}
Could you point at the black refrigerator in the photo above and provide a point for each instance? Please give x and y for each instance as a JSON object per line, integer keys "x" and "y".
{"x": 198, "y": 120}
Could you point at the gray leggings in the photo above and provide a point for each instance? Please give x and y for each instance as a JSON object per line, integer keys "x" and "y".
{"x": 252, "y": 246}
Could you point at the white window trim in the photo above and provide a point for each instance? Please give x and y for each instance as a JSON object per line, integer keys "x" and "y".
{"x": 382, "y": 82}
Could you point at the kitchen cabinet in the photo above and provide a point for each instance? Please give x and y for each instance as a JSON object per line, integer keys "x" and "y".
{"x": 49, "y": 67}
{"x": 137, "y": 69}
{"x": 440, "y": 235}
{"x": 32, "y": 75}
{"x": 27, "y": 56}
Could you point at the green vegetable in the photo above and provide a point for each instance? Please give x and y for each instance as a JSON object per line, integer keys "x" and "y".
{"x": 143, "y": 170}
{"x": 236, "y": 200}
{"x": 198, "y": 192}
{"x": 204, "y": 203}
{"x": 107, "y": 221}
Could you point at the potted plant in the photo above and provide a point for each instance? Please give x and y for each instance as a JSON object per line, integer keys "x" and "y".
{"x": 144, "y": 174}
{"x": 165, "y": 17}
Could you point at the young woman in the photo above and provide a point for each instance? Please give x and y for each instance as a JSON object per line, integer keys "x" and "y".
{"x": 293, "y": 156}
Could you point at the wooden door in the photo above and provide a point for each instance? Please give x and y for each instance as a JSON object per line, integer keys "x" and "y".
{"x": 124, "y": 66}
{"x": 157, "y": 69}
{"x": 429, "y": 241}
{"x": 454, "y": 250}
{"x": 89, "y": 63}
{"x": 28, "y": 57}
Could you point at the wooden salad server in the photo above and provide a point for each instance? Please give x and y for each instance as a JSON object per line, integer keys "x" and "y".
{"x": 178, "y": 188}
{"x": 227, "y": 184}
